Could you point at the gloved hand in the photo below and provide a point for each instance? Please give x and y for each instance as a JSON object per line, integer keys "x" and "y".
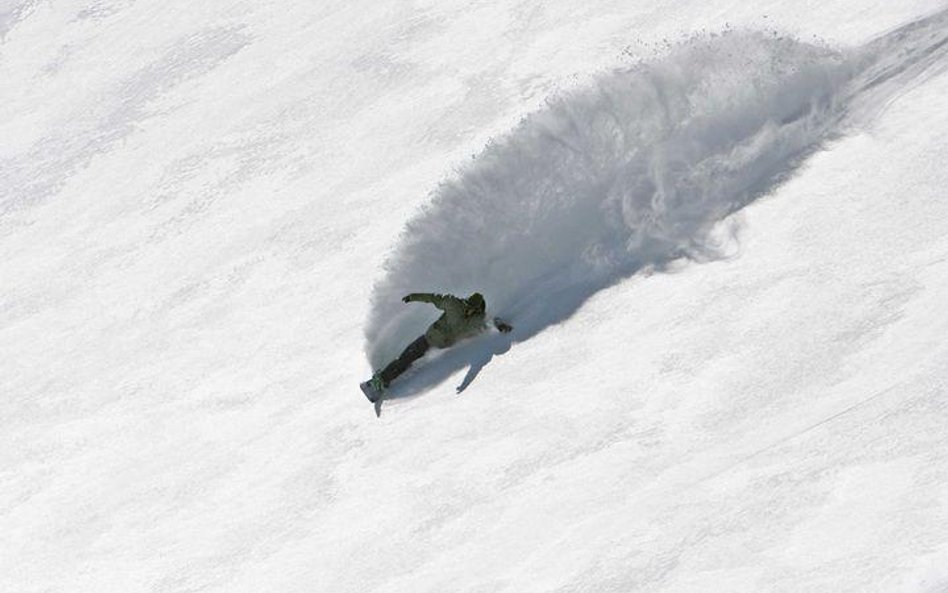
{"x": 502, "y": 325}
{"x": 406, "y": 298}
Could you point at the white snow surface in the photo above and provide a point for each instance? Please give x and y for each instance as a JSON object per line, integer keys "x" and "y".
{"x": 719, "y": 229}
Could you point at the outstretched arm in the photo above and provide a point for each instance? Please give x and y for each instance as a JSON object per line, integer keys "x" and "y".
{"x": 424, "y": 297}
{"x": 502, "y": 326}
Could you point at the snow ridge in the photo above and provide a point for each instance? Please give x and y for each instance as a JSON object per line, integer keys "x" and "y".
{"x": 633, "y": 171}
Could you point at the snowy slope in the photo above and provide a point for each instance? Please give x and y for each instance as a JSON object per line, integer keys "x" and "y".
{"x": 197, "y": 199}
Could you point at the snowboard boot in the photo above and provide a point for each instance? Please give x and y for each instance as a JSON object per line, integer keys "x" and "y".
{"x": 377, "y": 383}
{"x": 374, "y": 388}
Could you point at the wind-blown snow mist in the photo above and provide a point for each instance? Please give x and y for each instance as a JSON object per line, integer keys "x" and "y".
{"x": 633, "y": 171}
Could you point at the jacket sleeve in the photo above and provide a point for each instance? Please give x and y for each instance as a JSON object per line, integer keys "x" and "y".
{"x": 426, "y": 297}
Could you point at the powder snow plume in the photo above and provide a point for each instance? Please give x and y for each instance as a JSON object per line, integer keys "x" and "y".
{"x": 632, "y": 171}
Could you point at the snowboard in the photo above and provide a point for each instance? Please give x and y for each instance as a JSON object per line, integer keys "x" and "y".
{"x": 373, "y": 394}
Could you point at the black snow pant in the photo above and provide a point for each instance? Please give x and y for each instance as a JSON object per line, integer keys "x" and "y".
{"x": 413, "y": 352}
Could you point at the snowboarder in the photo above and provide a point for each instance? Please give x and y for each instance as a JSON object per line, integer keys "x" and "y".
{"x": 462, "y": 318}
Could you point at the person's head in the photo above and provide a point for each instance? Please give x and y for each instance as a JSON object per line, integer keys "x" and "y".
{"x": 475, "y": 305}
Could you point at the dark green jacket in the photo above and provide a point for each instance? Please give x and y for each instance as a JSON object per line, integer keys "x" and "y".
{"x": 459, "y": 320}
